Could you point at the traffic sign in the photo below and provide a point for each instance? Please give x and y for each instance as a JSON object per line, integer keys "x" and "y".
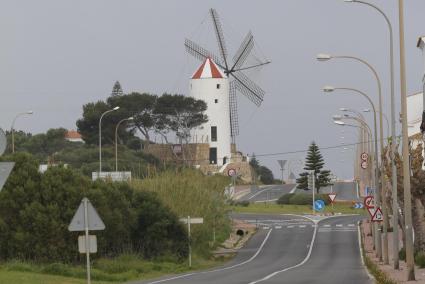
{"x": 319, "y": 205}
{"x": 92, "y": 244}
{"x": 371, "y": 211}
{"x": 369, "y": 191}
{"x": 358, "y": 205}
{"x": 378, "y": 216}
{"x": 332, "y": 197}
{"x": 364, "y": 156}
{"x": 5, "y": 170}
{"x": 231, "y": 172}
{"x": 93, "y": 219}
{"x": 3, "y": 142}
{"x": 192, "y": 220}
{"x": 369, "y": 201}
{"x": 363, "y": 164}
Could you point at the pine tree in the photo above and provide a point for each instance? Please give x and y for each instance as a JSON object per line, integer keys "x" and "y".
{"x": 314, "y": 161}
{"x": 117, "y": 90}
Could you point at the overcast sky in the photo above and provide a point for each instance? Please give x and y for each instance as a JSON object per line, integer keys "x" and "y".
{"x": 56, "y": 56}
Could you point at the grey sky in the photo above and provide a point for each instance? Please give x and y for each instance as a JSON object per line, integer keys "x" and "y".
{"x": 56, "y": 56}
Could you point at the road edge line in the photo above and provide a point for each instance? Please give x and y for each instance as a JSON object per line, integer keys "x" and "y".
{"x": 359, "y": 236}
{"x": 219, "y": 269}
{"x": 315, "y": 222}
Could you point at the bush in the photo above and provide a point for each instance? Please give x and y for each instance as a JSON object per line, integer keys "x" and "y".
{"x": 243, "y": 203}
{"x": 285, "y": 199}
{"x": 420, "y": 259}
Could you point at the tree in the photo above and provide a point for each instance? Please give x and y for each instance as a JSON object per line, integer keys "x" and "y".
{"x": 314, "y": 162}
{"x": 179, "y": 114}
{"x": 266, "y": 175}
{"x": 117, "y": 90}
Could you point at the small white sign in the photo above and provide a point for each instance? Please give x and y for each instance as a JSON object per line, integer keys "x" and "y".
{"x": 114, "y": 176}
{"x": 192, "y": 220}
{"x": 92, "y": 244}
{"x": 364, "y": 165}
{"x": 332, "y": 196}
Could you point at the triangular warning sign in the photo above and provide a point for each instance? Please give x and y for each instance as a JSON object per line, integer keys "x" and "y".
{"x": 332, "y": 196}
{"x": 378, "y": 216}
{"x": 94, "y": 221}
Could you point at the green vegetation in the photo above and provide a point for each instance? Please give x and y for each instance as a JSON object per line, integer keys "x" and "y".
{"x": 301, "y": 199}
{"x": 344, "y": 208}
{"x": 104, "y": 270}
{"x": 265, "y": 174}
{"x": 314, "y": 161}
{"x": 420, "y": 259}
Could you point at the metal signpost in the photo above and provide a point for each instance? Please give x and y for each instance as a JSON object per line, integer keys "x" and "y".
{"x": 332, "y": 197}
{"x": 282, "y": 166}
{"x": 189, "y": 221}
{"x": 86, "y": 219}
{"x": 311, "y": 185}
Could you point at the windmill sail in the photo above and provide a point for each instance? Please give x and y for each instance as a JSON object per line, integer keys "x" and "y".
{"x": 220, "y": 37}
{"x": 243, "y": 51}
{"x": 247, "y": 87}
{"x": 201, "y": 53}
{"x": 233, "y": 105}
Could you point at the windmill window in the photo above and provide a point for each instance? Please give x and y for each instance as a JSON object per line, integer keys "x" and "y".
{"x": 218, "y": 86}
{"x": 213, "y": 133}
{"x": 216, "y": 101}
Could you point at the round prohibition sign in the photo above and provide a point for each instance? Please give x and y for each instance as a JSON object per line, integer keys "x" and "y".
{"x": 364, "y": 156}
{"x": 364, "y": 165}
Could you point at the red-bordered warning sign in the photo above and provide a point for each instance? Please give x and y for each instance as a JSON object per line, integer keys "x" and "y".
{"x": 371, "y": 211}
{"x": 378, "y": 216}
{"x": 369, "y": 201}
{"x": 332, "y": 197}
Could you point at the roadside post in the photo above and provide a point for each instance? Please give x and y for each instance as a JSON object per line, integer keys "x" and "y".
{"x": 311, "y": 185}
{"x": 86, "y": 219}
{"x": 189, "y": 221}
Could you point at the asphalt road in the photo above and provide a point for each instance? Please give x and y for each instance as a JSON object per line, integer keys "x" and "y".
{"x": 267, "y": 192}
{"x": 289, "y": 249}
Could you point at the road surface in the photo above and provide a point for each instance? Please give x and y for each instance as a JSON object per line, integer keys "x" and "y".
{"x": 290, "y": 249}
{"x": 345, "y": 191}
{"x": 267, "y": 192}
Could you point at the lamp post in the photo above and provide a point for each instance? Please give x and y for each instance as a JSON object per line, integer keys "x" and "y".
{"x": 100, "y": 136}
{"x": 387, "y": 122}
{"x": 393, "y": 132}
{"x": 12, "y": 128}
{"x": 326, "y": 57}
{"x": 116, "y": 140}
{"x": 328, "y": 89}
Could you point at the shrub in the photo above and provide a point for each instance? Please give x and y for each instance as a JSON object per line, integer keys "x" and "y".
{"x": 301, "y": 199}
{"x": 243, "y": 203}
{"x": 420, "y": 259}
{"x": 285, "y": 199}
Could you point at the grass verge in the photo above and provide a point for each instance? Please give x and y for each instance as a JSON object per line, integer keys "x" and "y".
{"x": 104, "y": 270}
{"x": 344, "y": 208}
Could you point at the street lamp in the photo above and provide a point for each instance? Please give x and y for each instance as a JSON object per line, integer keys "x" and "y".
{"x": 385, "y": 118}
{"x": 116, "y": 140}
{"x": 13, "y": 127}
{"x": 326, "y": 57}
{"x": 329, "y": 89}
{"x": 393, "y": 132}
{"x": 100, "y": 137}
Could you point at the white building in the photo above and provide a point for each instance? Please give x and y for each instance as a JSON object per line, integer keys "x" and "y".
{"x": 210, "y": 84}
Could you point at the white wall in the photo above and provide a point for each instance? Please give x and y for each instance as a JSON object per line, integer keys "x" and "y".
{"x": 414, "y": 113}
{"x": 218, "y": 114}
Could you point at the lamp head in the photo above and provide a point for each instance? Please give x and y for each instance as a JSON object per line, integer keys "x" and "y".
{"x": 323, "y": 57}
{"x": 116, "y": 108}
{"x": 130, "y": 118}
{"x": 339, "y": 122}
{"x": 337, "y": 117}
{"x": 328, "y": 89}
{"x": 343, "y": 109}
{"x": 350, "y": 1}
{"x": 30, "y": 112}
{"x": 366, "y": 110}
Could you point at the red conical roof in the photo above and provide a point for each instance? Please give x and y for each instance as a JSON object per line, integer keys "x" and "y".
{"x": 208, "y": 69}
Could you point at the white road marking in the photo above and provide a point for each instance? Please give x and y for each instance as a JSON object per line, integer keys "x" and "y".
{"x": 351, "y": 225}
{"x": 299, "y": 264}
{"x": 290, "y": 227}
{"x": 278, "y": 227}
{"x": 265, "y": 228}
{"x": 261, "y": 191}
{"x": 302, "y": 226}
{"x": 361, "y": 251}
{"x": 293, "y": 190}
{"x": 220, "y": 269}
{"x": 339, "y": 225}
{"x": 327, "y": 225}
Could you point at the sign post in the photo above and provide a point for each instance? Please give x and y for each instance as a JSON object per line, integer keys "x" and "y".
{"x": 311, "y": 185}
{"x": 85, "y": 219}
{"x": 189, "y": 221}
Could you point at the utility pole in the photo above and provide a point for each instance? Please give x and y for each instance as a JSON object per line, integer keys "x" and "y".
{"x": 406, "y": 165}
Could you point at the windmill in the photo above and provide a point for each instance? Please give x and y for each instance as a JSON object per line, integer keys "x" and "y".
{"x": 238, "y": 80}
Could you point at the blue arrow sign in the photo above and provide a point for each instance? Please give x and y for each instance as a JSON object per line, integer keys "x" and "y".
{"x": 358, "y": 205}
{"x": 319, "y": 205}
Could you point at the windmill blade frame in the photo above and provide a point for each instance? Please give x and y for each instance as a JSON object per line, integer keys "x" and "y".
{"x": 220, "y": 37}
{"x": 201, "y": 53}
{"x": 244, "y": 50}
{"x": 233, "y": 106}
{"x": 248, "y": 88}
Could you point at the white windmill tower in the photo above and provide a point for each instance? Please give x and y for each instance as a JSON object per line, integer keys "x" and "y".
{"x": 216, "y": 82}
